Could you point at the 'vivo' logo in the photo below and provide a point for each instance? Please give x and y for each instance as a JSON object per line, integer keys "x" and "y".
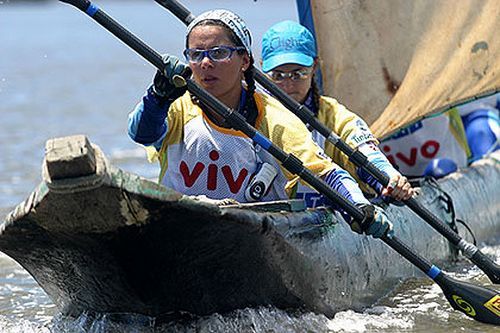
{"x": 191, "y": 176}
{"x": 428, "y": 150}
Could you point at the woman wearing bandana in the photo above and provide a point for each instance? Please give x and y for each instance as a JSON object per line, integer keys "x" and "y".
{"x": 289, "y": 58}
{"x": 200, "y": 154}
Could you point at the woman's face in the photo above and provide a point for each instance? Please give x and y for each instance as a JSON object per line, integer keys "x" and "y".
{"x": 299, "y": 87}
{"x": 220, "y": 78}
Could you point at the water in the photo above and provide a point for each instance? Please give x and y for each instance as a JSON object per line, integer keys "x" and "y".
{"x": 61, "y": 74}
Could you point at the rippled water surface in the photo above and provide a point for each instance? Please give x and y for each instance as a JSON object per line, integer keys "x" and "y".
{"x": 61, "y": 74}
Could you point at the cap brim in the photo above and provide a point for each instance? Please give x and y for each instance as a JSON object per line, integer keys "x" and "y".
{"x": 286, "y": 58}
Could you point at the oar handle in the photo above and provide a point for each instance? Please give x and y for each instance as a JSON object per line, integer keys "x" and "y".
{"x": 178, "y": 9}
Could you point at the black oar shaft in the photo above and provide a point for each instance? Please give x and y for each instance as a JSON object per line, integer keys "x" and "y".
{"x": 178, "y": 9}
{"x": 290, "y": 162}
{"x": 490, "y": 268}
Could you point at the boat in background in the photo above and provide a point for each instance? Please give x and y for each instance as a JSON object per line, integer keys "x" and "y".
{"x": 99, "y": 239}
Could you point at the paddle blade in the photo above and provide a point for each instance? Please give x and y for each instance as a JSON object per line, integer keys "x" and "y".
{"x": 477, "y": 302}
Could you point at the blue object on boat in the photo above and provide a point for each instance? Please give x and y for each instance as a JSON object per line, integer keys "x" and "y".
{"x": 440, "y": 167}
{"x": 481, "y": 129}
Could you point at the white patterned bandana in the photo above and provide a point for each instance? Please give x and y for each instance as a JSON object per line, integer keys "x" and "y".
{"x": 230, "y": 20}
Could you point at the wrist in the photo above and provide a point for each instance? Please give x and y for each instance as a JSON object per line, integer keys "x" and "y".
{"x": 154, "y": 106}
{"x": 156, "y": 94}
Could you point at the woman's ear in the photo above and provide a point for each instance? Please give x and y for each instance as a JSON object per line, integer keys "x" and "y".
{"x": 245, "y": 62}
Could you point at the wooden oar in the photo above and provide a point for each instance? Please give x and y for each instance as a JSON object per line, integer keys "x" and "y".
{"x": 488, "y": 266}
{"x": 480, "y": 303}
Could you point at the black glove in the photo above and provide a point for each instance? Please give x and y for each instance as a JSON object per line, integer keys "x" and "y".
{"x": 375, "y": 222}
{"x": 163, "y": 87}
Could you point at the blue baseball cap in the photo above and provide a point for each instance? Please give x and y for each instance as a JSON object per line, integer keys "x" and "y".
{"x": 287, "y": 42}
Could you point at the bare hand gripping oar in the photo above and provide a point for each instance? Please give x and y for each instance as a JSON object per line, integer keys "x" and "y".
{"x": 488, "y": 266}
{"x": 480, "y": 303}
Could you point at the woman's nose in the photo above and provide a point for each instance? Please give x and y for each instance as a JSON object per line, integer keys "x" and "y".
{"x": 206, "y": 62}
{"x": 286, "y": 83}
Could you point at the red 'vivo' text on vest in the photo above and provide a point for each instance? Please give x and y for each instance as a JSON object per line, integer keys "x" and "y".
{"x": 191, "y": 176}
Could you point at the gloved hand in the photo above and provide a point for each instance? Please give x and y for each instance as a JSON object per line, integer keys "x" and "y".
{"x": 163, "y": 85}
{"x": 375, "y": 223}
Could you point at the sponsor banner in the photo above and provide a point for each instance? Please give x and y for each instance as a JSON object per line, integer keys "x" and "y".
{"x": 414, "y": 147}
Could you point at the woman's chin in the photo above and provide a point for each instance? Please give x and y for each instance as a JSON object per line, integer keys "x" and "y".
{"x": 212, "y": 89}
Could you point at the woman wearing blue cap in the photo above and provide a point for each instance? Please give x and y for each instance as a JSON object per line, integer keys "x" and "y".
{"x": 199, "y": 154}
{"x": 289, "y": 58}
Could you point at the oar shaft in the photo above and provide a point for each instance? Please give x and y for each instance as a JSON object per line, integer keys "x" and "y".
{"x": 289, "y": 161}
{"x": 403, "y": 249}
{"x": 487, "y": 265}
{"x": 491, "y": 269}
{"x": 469, "y": 250}
{"x": 178, "y": 9}
{"x": 292, "y": 163}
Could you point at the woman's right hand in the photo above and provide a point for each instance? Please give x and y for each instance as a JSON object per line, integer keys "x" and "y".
{"x": 399, "y": 188}
{"x": 375, "y": 222}
{"x": 163, "y": 83}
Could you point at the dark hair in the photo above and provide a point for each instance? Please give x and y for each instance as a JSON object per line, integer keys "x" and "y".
{"x": 248, "y": 74}
{"x": 315, "y": 91}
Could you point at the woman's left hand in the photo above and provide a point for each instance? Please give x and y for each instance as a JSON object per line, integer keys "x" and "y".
{"x": 399, "y": 188}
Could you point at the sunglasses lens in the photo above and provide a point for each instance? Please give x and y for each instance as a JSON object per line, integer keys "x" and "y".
{"x": 277, "y": 76}
{"x": 219, "y": 53}
{"x": 193, "y": 55}
{"x": 300, "y": 74}
{"x": 296, "y": 75}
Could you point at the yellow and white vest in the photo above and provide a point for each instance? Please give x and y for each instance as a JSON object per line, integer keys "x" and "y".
{"x": 198, "y": 157}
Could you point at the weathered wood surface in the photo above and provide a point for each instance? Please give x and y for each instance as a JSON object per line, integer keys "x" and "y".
{"x": 69, "y": 157}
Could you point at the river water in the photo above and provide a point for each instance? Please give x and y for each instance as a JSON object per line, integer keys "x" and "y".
{"x": 61, "y": 74}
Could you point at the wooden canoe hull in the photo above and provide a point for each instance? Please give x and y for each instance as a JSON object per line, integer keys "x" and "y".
{"x": 111, "y": 241}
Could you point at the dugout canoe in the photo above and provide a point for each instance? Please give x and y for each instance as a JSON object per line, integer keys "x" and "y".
{"x": 100, "y": 239}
